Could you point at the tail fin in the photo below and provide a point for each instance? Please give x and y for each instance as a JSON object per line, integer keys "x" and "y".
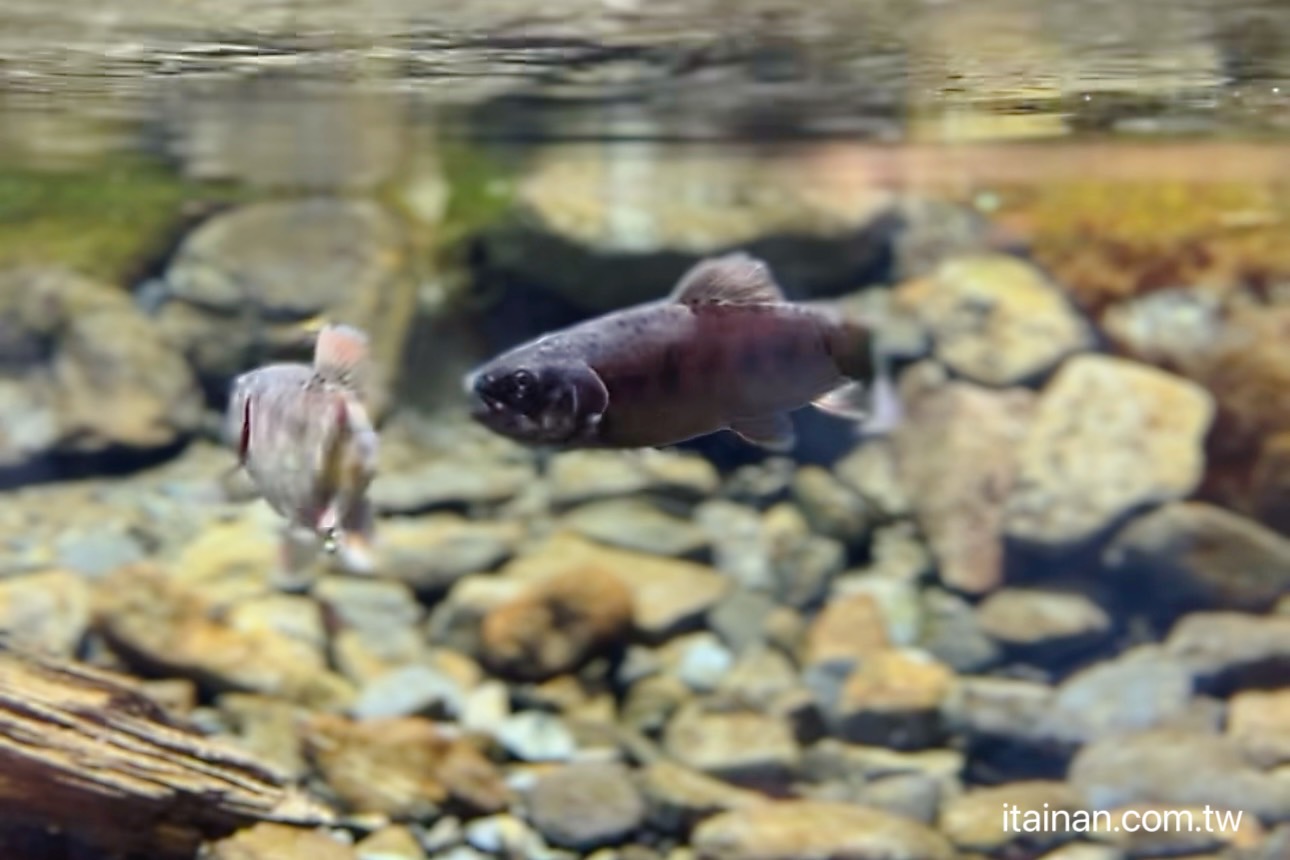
{"x": 341, "y": 353}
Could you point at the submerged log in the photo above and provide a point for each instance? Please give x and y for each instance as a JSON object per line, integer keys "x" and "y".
{"x": 85, "y": 753}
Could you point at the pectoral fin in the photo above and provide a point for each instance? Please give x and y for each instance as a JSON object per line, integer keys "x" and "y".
{"x": 773, "y": 432}
{"x": 846, "y": 401}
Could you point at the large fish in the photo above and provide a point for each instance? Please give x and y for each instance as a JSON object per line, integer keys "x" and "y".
{"x": 724, "y": 351}
{"x": 304, "y": 436}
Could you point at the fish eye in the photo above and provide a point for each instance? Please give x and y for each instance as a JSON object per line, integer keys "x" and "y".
{"x": 523, "y": 390}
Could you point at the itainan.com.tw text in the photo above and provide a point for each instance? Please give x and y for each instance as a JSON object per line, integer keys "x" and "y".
{"x": 1030, "y": 820}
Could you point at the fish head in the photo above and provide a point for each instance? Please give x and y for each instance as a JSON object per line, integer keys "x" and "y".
{"x": 545, "y": 402}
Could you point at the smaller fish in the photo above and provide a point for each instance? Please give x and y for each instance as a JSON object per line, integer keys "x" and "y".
{"x": 725, "y": 351}
{"x": 304, "y": 436}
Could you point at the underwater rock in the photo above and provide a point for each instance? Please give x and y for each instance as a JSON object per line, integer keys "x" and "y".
{"x": 902, "y": 611}
{"x": 583, "y": 476}
{"x": 1084, "y": 851}
{"x": 48, "y": 611}
{"x": 831, "y": 507}
{"x": 1247, "y": 374}
{"x": 1175, "y": 328}
{"x": 431, "y": 553}
{"x": 973, "y": 820}
{"x": 893, "y": 698}
{"x": 99, "y": 549}
{"x": 700, "y": 660}
{"x": 1141, "y": 689}
{"x": 269, "y": 841}
{"x": 267, "y": 728}
{"x": 408, "y": 691}
{"x": 996, "y": 320}
{"x": 557, "y": 623}
{"x": 957, "y": 455}
{"x": 951, "y": 632}
{"x": 1146, "y": 767}
{"x": 232, "y": 558}
{"x": 1108, "y": 437}
{"x": 872, "y": 471}
{"x": 742, "y": 747}
{"x": 848, "y": 629}
{"x": 652, "y": 701}
{"x": 631, "y": 223}
{"x": 679, "y": 798}
{"x": 761, "y": 679}
{"x": 803, "y": 563}
{"x": 1231, "y": 649}
{"x": 390, "y": 843}
{"x": 83, "y": 372}
{"x": 458, "y": 481}
{"x": 987, "y": 708}
{"x": 1199, "y": 552}
{"x": 636, "y": 524}
{"x": 740, "y": 619}
{"x": 1270, "y": 483}
{"x": 505, "y": 835}
{"x": 787, "y": 830}
{"x": 586, "y": 806}
{"x": 242, "y": 282}
{"x": 1259, "y": 722}
{"x": 374, "y": 623}
{"x": 162, "y": 624}
{"x": 739, "y": 547}
{"x": 1043, "y": 620}
{"x": 403, "y": 767}
{"x": 668, "y": 595}
{"x": 537, "y": 736}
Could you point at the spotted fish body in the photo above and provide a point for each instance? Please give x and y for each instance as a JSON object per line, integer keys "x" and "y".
{"x": 305, "y": 438}
{"x": 724, "y": 351}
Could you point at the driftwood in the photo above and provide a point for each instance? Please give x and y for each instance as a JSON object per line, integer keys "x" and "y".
{"x": 85, "y": 753}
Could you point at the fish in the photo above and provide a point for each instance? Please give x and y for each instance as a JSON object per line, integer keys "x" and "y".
{"x": 304, "y": 436}
{"x": 724, "y": 351}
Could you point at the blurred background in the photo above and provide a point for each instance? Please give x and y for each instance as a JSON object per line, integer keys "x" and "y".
{"x": 1061, "y": 583}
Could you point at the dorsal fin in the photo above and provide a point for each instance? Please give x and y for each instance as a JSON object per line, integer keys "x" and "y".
{"x": 731, "y": 279}
{"x": 341, "y": 353}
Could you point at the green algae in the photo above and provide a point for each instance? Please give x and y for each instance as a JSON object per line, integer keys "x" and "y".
{"x": 108, "y": 221}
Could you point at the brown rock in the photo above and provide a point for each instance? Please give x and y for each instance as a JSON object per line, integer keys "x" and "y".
{"x": 893, "y": 698}
{"x": 679, "y": 797}
{"x": 585, "y": 806}
{"x": 163, "y": 624}
{"x": 1259, "y": 720}
{"x": 1032, "y": 617}
{"x": 739, "y": 746}
{"x": 243, "y": 281}
{"x": 1108, "y": 437}
{"x": 391, "y": 843}
{"x": 847, "y": 629}
{"x": 1200, "y": 552}
{"x": 667, "y": 594}
{"x": 1270, "y": 484}
{"x": 975, "y": 820}
{"x": 48, "y": 611}
{"x": 94, "y": 371}
{"x": 1231, "y": 649}
{"x": 792, "y": 830}
{"x": 957, "y": 457}
{"x": 557, "y": 623}
{"x": 996, "y": 319}
{"x": 268, "y": 841}
{"x": 405, "y": 768}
